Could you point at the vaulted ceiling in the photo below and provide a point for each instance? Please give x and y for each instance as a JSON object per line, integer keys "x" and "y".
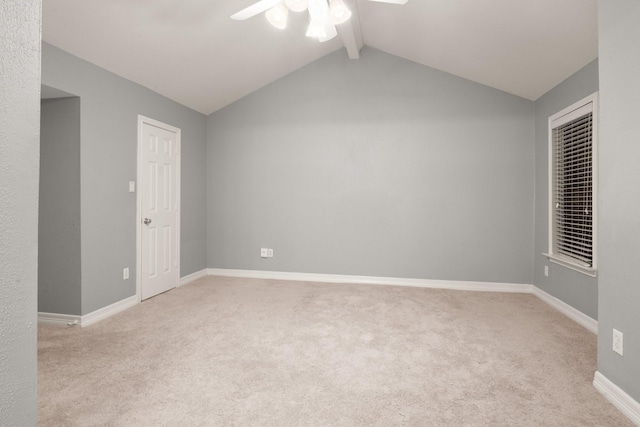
{"x": 192, "y": 52}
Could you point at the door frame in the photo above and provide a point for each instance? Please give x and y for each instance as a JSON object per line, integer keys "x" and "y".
{"x": 141, "y": 121}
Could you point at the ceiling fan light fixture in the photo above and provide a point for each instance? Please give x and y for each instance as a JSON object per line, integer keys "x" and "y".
{"x": 331, "y": 32}
{"x": 339, "y": 12}
{"x": 277, "y": 16}
{"x": 391, "y": 1}
{"x": 297, "y": 5}
{"x": 324, "y": 15}
{"x": 318, "y": 10}
{"x": 316, "y": 29}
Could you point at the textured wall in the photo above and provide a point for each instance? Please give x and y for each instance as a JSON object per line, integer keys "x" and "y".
{"x": 619, "y": 237}
{"x": 59, "y": 215}
{"x": 109, "y": 119}
{"x": 378, "y": 167}
{"x": 19, "y": 147}
{"x": 576, "y": 289}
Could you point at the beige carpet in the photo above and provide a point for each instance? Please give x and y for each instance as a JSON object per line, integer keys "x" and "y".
{"x": 225, "y": 351}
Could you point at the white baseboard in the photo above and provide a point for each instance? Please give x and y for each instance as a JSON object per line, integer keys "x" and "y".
{"x": 108, "y": 311}
{"x": 57, "y": 319}
{"x": 369, "y": 280}
{"x": 618, "y": 397}
{"x": 192, "y": 277}
{"x": 567, "y": 310}
{"x": 564, "y": 308}
{"x": 87, "y": 319}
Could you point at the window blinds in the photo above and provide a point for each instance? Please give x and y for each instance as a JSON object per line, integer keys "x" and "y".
{"x": 573, "y": 190}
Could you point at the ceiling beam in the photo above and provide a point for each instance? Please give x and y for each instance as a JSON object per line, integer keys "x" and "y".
{"x": 350, "y": 33}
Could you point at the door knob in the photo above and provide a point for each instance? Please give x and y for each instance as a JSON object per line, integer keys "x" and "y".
{"x": 147, "y": 221}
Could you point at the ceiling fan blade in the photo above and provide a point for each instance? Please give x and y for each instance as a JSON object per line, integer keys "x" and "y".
{"x": 391, "y": 1}
{"x": 254, "y": 9}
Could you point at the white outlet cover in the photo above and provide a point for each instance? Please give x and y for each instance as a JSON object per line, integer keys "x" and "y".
{"x": 125, "y": 273}
{"x": 618, "y": 343}
{"x": 132, "y": 186}
{"x": 264, "y": 253}
{"x": 270, "y": 253}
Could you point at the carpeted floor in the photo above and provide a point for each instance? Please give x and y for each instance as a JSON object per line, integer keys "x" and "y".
{"x": 225, "y": 351}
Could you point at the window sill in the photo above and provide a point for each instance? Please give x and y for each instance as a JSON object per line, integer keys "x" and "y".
{"x": 591, "y": 272}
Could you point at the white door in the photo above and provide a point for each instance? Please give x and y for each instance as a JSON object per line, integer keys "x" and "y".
{"x": 159, "y": 196}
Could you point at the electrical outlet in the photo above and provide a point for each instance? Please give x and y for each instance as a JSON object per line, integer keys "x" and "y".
{"x": 270, "y": 253}
{"x": 132, "y": 186}
{"x": 264, "y": 253}
{"x": 125, "y": 273}
{"x": 546, "y": 270}
{"x": 617, "y": 342}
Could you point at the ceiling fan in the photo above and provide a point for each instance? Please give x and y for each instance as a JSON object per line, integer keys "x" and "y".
{"x": 324, "y": 15}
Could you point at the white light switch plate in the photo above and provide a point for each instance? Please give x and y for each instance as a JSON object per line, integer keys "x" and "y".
{"x": 132, "y": 186}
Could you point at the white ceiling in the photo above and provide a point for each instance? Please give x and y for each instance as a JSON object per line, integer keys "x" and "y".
{"x": 190, "y": 51}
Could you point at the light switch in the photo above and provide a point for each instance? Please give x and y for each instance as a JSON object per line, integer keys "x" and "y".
{"x": 132, "y": 186}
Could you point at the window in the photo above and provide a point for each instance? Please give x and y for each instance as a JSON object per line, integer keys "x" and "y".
{"x": 572, "y": 186}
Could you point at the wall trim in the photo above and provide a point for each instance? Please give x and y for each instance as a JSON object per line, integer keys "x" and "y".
{"x": 618, "y": 397}
{"x": 564, "y": 308}
{"x": 192, "y": 277}
{"x": 57, "y": 319}
{"x": 88, "y": 319}
{"x": 108, "y": 311}
{"x": 370, "y": 280}
{"x": 103, "y": 313}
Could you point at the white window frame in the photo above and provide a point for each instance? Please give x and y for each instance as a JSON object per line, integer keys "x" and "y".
{"x": 580, "y": 108}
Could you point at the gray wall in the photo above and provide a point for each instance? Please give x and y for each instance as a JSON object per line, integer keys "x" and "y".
{"x": 378, "y": 167}
{"x": 109, "y": 118}
{"x": 576, "y": 289}
{"x": 59, "y": 215}
{"x": 19, "y": 147}
{"x": 619, "y": 237}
